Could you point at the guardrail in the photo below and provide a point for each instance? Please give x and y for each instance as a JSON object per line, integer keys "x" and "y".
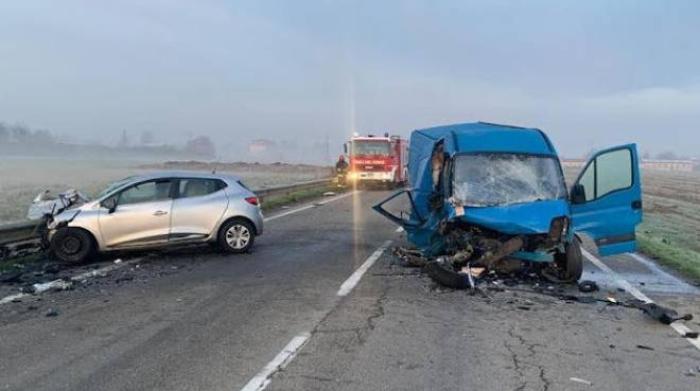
{"x": 18, "y": 238}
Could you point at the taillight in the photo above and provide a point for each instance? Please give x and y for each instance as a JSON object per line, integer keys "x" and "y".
{"x": 252, "y": 200}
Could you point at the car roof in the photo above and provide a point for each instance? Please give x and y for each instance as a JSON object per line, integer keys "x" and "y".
{"x": 485, "y": 137}
{"x": 182, "y": 174}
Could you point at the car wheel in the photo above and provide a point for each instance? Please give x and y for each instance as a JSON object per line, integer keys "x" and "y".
{"x": 236, "y": 236}
{"x": 573, "y": 261}
{"x": 72, "y": 245}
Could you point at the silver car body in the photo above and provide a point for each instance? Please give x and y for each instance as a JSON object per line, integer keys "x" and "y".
{"x": 168, "y": 220}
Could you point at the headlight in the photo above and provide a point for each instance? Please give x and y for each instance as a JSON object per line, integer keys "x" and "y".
{"x": 352, "y": 175}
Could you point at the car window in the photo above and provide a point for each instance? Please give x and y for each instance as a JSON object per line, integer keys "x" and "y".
{"x": 146, "y": 192}
{"x": 613, "y": 171}
{"x": 194, "y": 187}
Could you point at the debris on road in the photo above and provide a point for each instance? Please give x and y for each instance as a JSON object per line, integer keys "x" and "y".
{"x": 588, "y": 286}
{"x": 644, "y": 347}
{"x": 56, "y": 285}
{"x": 329, "y": 194}
{"x": 581, "y": 381}
{"x": 662, "y": 314}
{"x": 51, "y": 312}
{"x": 691, "y": 334}
{"x": 117, "y": 261}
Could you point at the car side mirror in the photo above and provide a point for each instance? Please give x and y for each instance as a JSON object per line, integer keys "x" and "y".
{"x": 110, "y": 204}
{"x": 578, "y": 194}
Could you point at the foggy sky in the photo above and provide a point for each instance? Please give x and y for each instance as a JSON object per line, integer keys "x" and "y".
{"x": 589, "y": 73}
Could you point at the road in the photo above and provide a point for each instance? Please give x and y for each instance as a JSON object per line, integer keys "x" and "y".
{"x": 308, "y": 300}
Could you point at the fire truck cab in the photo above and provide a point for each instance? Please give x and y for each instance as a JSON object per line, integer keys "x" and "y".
{"x": 377, "y": 160}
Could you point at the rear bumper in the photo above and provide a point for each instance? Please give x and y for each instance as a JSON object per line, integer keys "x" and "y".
{"x": 372, "y": 176}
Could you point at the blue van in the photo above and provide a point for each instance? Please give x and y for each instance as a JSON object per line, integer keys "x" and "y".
{"x": 484, "y": 193}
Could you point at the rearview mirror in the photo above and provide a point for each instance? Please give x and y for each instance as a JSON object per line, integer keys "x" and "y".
{"x": 578, "y": 194}
{"x": 110, "y": 204}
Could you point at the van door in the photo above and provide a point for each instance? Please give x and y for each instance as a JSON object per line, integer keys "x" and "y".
{"x": 606, "y": 199}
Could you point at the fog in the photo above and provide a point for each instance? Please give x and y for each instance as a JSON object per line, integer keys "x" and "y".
{"x": 306, "y": 75}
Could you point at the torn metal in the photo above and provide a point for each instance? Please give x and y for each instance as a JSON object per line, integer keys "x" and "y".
{"x": 46, "y": 205}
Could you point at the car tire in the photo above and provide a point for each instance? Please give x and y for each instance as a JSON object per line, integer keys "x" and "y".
{"x": 236, "y": 236}
{"x": 72, "y": 245}
{"x": 573, "y": 261}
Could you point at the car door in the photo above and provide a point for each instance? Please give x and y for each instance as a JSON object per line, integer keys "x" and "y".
{"x": 141, "y": 216}
{"x": 606, "y": 199}
{"x": 199, "y": 205}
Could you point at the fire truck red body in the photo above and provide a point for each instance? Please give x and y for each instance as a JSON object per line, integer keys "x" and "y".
{"x": 379, "y": 160}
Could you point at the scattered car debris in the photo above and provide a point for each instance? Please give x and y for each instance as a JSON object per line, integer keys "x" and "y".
{"x": 56, "y": 285}
{"x": 644, "y": 347}
{"x": 329, "y": 194}
{"x": 51, "y": 312}
{"x": 691, "y": 334}
{"x": 662, "y": 314}
{"x": 117, "y": 261}
{"x": 587, "y": 286}
{"x": 581, "y": 381}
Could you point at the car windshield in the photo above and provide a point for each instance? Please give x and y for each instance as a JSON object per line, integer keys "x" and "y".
{"x": 370, "y": 148}
{"x": 501, "y": 179}
{"x": 113, "y": 186}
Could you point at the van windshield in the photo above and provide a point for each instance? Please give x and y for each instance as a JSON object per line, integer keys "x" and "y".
{"x": 492, "y": 179}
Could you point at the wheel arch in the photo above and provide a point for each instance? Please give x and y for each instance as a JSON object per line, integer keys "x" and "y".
{"x": 237, "y": 217}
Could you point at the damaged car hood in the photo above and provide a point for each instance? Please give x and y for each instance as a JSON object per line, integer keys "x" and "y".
{"x": 514, "y": 219}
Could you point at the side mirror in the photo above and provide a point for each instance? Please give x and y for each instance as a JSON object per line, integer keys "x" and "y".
{"x": 578, "y": 194}
{"x": 110, "y": 204}
{"x": 345, "y": 148}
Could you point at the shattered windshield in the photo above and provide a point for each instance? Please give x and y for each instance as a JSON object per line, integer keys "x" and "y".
{"x": 370, "y": 148}
{"x": 502, "y": 179}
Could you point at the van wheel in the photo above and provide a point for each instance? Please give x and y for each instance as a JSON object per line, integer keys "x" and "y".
{"x": 571, "y": 262}
{"x": 72, "y": 245}
{"x": 236, "y": 236}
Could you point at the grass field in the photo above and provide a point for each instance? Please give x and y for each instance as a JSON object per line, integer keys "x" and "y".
{"x": 670, "y": 232}
{"x": 22, "y": 179}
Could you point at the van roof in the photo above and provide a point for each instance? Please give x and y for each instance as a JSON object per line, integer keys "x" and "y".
{"x": 488, "y": 137}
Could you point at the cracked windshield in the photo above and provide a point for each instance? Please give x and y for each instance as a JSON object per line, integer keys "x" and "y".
{"x": 349, "y": 195}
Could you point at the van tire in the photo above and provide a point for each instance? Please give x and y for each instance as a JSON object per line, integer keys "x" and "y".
{"x": 72, "y": 245}
{"x": 573, "y": 261}
{"x": 445, "y": 275}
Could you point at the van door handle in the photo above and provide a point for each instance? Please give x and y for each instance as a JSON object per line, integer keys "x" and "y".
{"x": 160, "y": 213}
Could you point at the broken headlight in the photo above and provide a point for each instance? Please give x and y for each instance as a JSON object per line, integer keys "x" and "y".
{"x": 558, "y": 229}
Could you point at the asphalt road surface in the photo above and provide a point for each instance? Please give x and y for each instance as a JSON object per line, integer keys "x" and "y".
{"x": 319, "y": 305}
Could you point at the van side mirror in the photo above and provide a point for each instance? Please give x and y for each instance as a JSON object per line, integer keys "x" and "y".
{"x": 578, "y": 194}
{"x": 345, "y": 148}
{"x": 110, "y": 204}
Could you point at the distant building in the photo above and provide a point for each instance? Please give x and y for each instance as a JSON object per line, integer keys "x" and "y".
{"x": 260, "y": 146}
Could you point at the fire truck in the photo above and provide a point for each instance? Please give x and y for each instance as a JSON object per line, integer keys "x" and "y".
{"x": 377, "y": 160}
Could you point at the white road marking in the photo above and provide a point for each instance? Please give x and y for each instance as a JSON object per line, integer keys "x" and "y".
{"x": 57, "y": 284}
{"x": 263, "y": 378}
{"x": 355, "y": 277}
{"x": 624, "y": 284}
{"x": 309, "y": 206}
{"x": 658, "y": 271}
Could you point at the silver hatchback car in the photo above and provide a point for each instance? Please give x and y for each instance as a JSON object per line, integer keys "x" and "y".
{"x": 157, "y": 210}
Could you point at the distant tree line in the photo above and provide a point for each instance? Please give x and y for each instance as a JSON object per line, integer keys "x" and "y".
{"x": 20, "y": 134}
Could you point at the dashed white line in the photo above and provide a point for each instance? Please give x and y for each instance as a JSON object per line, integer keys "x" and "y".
{"x": 624, "y": 284}
{"x": 309, "y": 206}
{"x": 264, "y": 377}
{"x": 355, "y": 277}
